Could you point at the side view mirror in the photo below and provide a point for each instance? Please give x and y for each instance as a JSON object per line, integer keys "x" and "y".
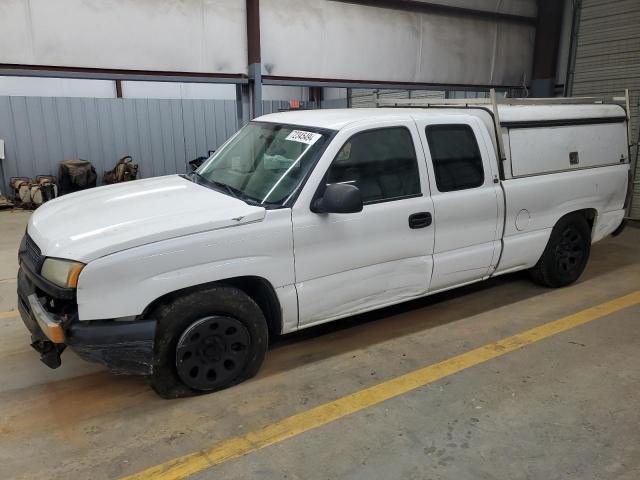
{"x": 339, "y": 198}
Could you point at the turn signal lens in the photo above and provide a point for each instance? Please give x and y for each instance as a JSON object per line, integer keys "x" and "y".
{"x": 63, "y": 273}
{"x": 74, "y": 273}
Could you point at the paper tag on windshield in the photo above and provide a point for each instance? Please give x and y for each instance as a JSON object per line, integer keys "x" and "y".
{"x": 303, "y": 137}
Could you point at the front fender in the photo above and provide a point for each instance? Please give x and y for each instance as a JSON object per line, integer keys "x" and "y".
{"x": 123, "y": 284}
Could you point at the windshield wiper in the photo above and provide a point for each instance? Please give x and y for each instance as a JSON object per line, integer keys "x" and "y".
{"x": 234, "y": 192}
{"x": 199, "y": 179}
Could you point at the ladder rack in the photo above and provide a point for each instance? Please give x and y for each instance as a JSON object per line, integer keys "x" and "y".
{"x": 494, "y": 99}
{"x": 491, "y": 103}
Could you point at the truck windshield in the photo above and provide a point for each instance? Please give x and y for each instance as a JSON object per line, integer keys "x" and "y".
{"x": 264, "y": 163}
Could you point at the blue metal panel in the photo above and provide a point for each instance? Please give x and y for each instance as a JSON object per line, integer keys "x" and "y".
{"x": 24, "y": 145}
{"x": 79, "y": 127}
{"x": 110, "y": 150}
{"x": 219, "y": 125}
{"x": 52, "y": 134}
{"x": 8, "y": 134}
{"x": 161, "y": 135}
{"x": 179, "y": 142}
{"x": 189, "y": 123}
{"x": 67, "y": 137}
{"x": 156, "y": 158}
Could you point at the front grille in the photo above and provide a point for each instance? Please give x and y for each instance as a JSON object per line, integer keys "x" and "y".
{"x": 30, "y": 254}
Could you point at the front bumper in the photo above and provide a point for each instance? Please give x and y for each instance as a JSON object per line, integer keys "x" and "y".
{"x": 125, "y": 347}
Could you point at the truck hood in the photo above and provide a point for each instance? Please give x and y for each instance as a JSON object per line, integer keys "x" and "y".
{"x": 92, "y": 223}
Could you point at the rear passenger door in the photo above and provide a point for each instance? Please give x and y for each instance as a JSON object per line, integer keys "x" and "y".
{"x": 467, "y": 200}
{"x": 350, "y": 263}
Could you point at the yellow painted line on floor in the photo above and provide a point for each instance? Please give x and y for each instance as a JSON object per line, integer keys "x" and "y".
{"x": 9, "y": 314}
{"x": 8, "y": 280}
{"x": 307, "y": 420}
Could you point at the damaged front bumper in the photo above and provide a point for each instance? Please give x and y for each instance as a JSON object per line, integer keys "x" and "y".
{"x": 125, "y": 347}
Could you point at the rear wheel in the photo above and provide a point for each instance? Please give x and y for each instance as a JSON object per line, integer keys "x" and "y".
{"x": 566, "y": 254}
{"x": 207, "y": 340}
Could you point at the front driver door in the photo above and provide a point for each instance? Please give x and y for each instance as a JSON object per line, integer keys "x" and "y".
{"x": 350, "y": 263}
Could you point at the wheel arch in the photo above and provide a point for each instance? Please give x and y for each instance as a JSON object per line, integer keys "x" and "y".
{"x": 258, "y": 288}
{"x": 589, "y": 214}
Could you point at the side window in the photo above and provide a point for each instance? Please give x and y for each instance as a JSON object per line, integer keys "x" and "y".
{"x": 381, "y": 163}
{"x": 456, "y": 158}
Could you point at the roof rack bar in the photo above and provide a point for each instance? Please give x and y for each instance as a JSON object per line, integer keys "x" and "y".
{"x": 426, "y": 102}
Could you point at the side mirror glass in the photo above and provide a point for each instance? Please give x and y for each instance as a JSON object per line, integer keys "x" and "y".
{"x": 339, "y": 198}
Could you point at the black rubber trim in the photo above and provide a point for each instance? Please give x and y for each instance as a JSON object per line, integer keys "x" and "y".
{"x": 47, "y": 287}
{"x": 29, "y": 321}
{"x": 563, "y": 122}
{"x": 620, "y": 228}
{"x": 106, "y": 332}
{"x": 393, "y": 199}
{"x": 125, "y": 347}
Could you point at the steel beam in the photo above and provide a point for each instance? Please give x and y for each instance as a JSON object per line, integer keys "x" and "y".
{"x": 16, "y": 70}
{"x": 254, "y": 56}
{"x": 346, "y": 83}
{"x": 431, "y": 7}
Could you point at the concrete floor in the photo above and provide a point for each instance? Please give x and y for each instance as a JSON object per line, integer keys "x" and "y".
{"x": 564, "y": 407}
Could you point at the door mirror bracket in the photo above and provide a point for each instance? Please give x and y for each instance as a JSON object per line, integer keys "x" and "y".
{"x": 338, "y": 198}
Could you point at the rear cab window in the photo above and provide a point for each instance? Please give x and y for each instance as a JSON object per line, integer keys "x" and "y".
{"x": 457, "y": 162}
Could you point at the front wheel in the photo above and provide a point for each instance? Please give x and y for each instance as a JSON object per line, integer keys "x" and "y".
{"x": 207, "y": 340}
{"x": 566, "y": 254}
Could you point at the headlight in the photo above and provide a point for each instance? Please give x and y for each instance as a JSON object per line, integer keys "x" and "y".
{"x": 63, "y": 273}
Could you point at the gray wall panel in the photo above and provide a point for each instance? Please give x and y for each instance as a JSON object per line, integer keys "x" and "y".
{"x": 24, "y": 145}
{"x": 178, "y": 136}
{"x": 161, "y": 135}
{"x": 10, "y": 164}
{"x": 189, "y": 129}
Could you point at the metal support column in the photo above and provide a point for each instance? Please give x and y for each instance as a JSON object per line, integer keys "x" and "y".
{"x": 545, "y": 56}
{"x": 254, "y": 57}
{"x": 243, "y": 104}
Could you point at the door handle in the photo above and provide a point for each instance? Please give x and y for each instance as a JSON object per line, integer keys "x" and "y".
{"x": 420, "y": 220}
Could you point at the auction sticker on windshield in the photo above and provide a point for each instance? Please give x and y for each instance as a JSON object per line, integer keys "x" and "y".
{"x": 303, "y": 137}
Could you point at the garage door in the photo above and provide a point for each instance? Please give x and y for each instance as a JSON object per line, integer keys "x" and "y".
{"x": 608, "y": 59}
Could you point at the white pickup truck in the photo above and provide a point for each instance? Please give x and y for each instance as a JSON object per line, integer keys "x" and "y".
{"x": 310, "y": 216}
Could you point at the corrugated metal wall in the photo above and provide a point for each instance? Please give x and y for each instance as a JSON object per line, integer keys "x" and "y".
{"x": 366, "y": 97}
{"x": 608, "y": 58}
{"x": 272, "y": 106}
{"x": 160, "y": 135}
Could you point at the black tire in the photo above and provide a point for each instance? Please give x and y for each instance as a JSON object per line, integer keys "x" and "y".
{"x": 566, "y": 253}
{"x": 216, "y": 310}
